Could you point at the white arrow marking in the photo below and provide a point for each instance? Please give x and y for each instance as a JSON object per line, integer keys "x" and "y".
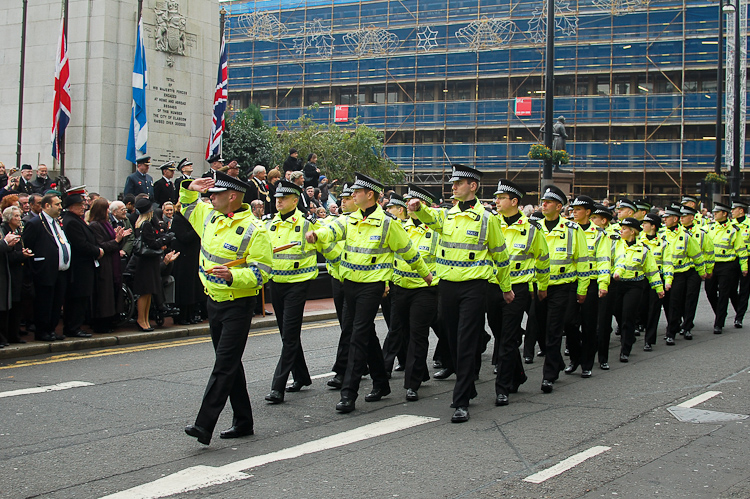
{"x": 699, "y": 399}
{"x": 566, "y": 464}
{"x": 44, "y": 389}
{"x": 199, "y": 477}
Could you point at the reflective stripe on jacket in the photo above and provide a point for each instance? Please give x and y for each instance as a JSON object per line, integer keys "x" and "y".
{"x": 527, "y": 249}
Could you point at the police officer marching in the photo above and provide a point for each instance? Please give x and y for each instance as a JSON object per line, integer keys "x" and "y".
{"x": 688, "y": 220}
{"x": 228, "y": 232}
{"x": 371, "y": 239}
{"x": 293, "y": 270}
{"x": 471, "y": 253}
{"x": 656, "y": 243}
{"x": 740, "y": 298}
{"x": 529, "y": 264}
{"x": 730, "y": 254}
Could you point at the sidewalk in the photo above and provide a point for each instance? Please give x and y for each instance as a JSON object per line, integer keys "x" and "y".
{"x": 315, "y": 310}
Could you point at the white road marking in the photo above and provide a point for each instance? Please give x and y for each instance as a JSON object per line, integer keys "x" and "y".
{"x": 44, "y": 389}
{"x": 319, "y": 376}
{"x": 199, "y": 477}
{"x": 566, "y": 464}
{"x": 698, "y": 400}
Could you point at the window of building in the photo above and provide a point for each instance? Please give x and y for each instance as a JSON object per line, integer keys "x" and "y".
{"x": 459, "y": 136}
{"x": 319, "y": 95}
{"x": 493, "y": 89}
{"x": 528, "y": 87}
{"x": 290, "y": 97}
{"x": 708, "y": 86}
{"x": 602, "y": 85}
{"x": 690, "y": 86}
{"x": 622, "y": 85}
{"x": 378, "y": 95}
{"x": 564, "y": 86}
{"x": 425, "y": 92}
{"x": 460, "y": 90}
{"x": 264, "y": 99}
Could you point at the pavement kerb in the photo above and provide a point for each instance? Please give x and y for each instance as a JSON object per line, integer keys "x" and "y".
{"x": 136, "y": 337}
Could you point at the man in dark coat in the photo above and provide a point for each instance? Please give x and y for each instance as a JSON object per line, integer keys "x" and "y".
{"x": 140, "y": 182}
{"x": 292, "y": 163}
{"x": 85, "y": 253}
{"x": 42, "y": 183}
{"x": 49, "y": 266}
{"x": 164, "y": 188}
{"x": 25, "y": 184}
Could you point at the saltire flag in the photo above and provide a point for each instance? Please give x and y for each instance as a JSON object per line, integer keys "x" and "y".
{"x": 61, "y": 111}
{"x": 220, "y": 105}
{"x": 138, "y": 135}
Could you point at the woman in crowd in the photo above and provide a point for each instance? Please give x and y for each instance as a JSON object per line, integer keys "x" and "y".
{"x": 188, "y": 288}
{"x": 12, "y": 256}
{"x": 272, "y": 179}
{"x": 147, "y": 276}
{"x": 10, "y": 200}
{"x": 108, "y": 300}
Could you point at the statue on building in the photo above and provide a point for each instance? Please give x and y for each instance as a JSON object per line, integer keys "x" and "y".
{"x": 559, "y": 137}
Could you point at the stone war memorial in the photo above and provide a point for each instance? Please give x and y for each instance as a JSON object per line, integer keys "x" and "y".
{"x": 182, "y": 43}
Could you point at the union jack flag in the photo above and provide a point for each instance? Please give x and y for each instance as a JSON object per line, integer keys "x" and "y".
{"x": 220, "y": 105}
{"x": 61, "y": 113}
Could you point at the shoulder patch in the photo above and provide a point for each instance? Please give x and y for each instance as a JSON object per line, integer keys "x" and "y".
{"x": 615, "y": 237}
{"x": 535, "y": 224}
{"x": 240, "y": 230}
{"x": 312, "y": 218}
{"x": 572, "y": 225}
{"x": 389, "y": 214}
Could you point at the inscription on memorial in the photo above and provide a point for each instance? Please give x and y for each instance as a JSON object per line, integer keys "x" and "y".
{"x": 170, "y": 105}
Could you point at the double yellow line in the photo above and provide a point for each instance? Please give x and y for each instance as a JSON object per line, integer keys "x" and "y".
{"x": 65, "y": 357}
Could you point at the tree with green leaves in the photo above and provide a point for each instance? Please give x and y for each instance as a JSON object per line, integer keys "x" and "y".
{"x": 250, "y": 142}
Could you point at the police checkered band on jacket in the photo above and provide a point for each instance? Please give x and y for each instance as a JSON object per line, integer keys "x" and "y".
{"x": 507, "y": 187}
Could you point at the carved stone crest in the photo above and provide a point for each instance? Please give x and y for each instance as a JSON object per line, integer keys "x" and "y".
{"x": 170, "y": 28}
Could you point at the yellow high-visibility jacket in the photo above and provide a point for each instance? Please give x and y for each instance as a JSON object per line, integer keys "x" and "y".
{"x": 635, "y": 262}
{"x": 426, "y": 242}
{"x": 568, "y": 253}
{"x": 599, "y": 255}
{"x": 729, "y": 242}
{"x": 225, "y": 238}
{"x": 529, "y": 256}
{"x": 682, "y": 253}
{"x": 298, "y": 263}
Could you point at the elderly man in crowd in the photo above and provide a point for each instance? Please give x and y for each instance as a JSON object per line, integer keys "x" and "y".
{"x": 118, "y": 217}
{"x": 42, "y": 183}
{"x": 25, "y": 184}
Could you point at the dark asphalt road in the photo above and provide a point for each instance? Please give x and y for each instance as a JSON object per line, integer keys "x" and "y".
{"x": 125, "y": 430}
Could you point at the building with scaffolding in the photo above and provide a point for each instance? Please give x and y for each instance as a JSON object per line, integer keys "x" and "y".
{"x": 462, "y": 81}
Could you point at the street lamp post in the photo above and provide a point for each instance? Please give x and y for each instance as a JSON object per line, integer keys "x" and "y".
{"x": 549, "y": 91}
{"x": 719, "y": 87}
{"x": 735, "y": 175}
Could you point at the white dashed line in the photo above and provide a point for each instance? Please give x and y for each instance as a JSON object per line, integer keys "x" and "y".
{"x": 566, "y": 464}
{"x": 44, "y": 389}
{"x": 699, "y": 399}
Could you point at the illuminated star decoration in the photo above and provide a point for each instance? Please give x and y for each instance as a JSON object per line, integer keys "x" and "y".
{"x": 426, "y": 38}
{"x": 566, "y": 21}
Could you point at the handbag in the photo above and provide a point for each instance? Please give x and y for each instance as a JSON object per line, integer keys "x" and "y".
{"x": 141, "y": 249}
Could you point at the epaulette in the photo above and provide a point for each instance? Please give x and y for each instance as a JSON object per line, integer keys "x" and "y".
{"x": 311, "y": 218}
{"x": 615, "y": 237}
{"x": 494, "y": 212}
{"x": 267, "y": 217}
{"x": 535, "y": 224}
{"x": 389, "y": 214}
{"x": 572, "y": 225}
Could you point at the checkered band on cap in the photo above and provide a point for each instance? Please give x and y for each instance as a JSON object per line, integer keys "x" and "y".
{"x": 346, "y": 191}
{"x": 686, "y": 210}
{"x": 583, "y": 201}
{"x": 286, "y": 191}
{"x": 631, "y": 222}
{"x": 626, "y": 203}
{"x": 364, "y": 182}
{"x": 603, "y": 211}
{"x": 224, "y": 184}
{"x": 462, "y": 174}
{"x": 672, "y": 210}
{"x": 394, "y": 201}
{"x": 504, "y": 187}
{"x": 550, "y": 194}
{"x": 643, "y": 205}
{"x": 416, "y": 194}
{"x": 721, "y": 207}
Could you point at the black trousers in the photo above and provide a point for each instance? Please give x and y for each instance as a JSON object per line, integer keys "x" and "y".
{"x": 678, "y": 298}
{"x": 362, "y": 302}
{"x": 655, "y": 305}
{"x": 583, "y": 340}
{"x": 505, "y": 322}
{"x": 629, "y": 296}
{"x": 76, "y": 310}
{"x": 229, "y": 322}
{"x": 48, "y": 304}
{"x": 412, "y": 313}
{"x": 740, "y": 298}
{"x": 463, "y": 306}
{"x": 342, "y": 351}
{"x": 605, "y": 312}
{"x": 536, "y": 329}
{"x": 10, "y": 323}
{"x": 288, "y": 301}
{"x": 557, "y": 309}
{"x": 442, "y": 348}
{"x": 720, "y": 288}
{"x": 396, "y": 342}
{"x": 691, "y": 299}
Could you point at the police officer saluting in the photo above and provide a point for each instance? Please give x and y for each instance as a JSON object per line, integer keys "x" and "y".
{"x": 228, "y": 232}
{"x": 293, "y": 270}
{"x": 730, "y": 254}
{"x": 371, "y": 239}
{"x": 471, "y": 253}
{"x": 529, "y": 263}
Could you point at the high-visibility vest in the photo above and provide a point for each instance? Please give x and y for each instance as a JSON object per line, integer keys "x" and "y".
{"x": 681, "y": 254}
{"x": 298, "y": 263}
{"x": 635, "y": 262}
{"x": 528, "y": 253}
{"x": 568, "y": 254}
{"x": 426, "y": 241}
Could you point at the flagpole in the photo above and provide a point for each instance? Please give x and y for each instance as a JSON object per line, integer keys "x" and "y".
{"x": 21, "y": 79}
{"x": 61, "y": 138}
{"x": 140, "y": 12}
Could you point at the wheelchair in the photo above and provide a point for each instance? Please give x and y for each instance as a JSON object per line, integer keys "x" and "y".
{"x": 129, "y": 314}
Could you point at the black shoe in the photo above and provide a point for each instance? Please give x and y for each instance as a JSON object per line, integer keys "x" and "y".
{"x": 201, "y": 434}
{"x": 604, "y": 366}
{"x": 494, "y": 370}
{"x": 296, "y": 386}
{"x": 144, "y": 330}
{"x": 540, "y": 353}
{"x": 528, "y": 360}
{"x": 670, "y": 341}
{"x": 345, "y": 405}
{"x": 336, "y": 382}
{"x": 460, "y": 415}
{"x": 236, "y": 432}
{"x": 567, "y": 352}
{"x": 275, "y": 397}
{"x": 437, "y": 364}
{"x": 571, "y": 368}
{"x": 269, "y": 313}
{"x": 717, "y": 330}
{"x": 546, "y": 386}
{"x": 738, "y": 324}
{"x": 682, "y": 332}
{"x": 58, "y": 337}
{"x": 623, "y": 357}
{"x": 617, "y": 331}
{"x": 586, "y": 374}
{"x": 78, "y": 334}
{"x": 688, "y": 335}
{"x": 443, "y": 373}
{"x": 501, "y": 399}
{"x": 411, "y": 395}
{"x": 399, "y": 367}
{"x": 647, "y": 347}
{"x": 377, "y": 394}
{"x": 45, "y": 337}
